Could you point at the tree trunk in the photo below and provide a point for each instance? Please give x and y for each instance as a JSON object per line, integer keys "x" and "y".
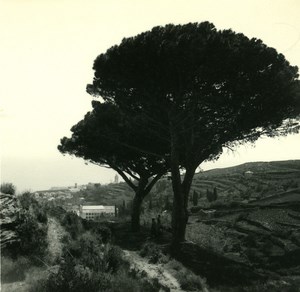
{"x": 141, "y": 192}
{"x": 180, "y": 204}
{"x": 136, "y": 211}
{"x": 181, "y": 191}
{"x": 179, "y": 218}
{"x": 179, "y": 212}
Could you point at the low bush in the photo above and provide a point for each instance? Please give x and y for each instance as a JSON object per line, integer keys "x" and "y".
{"x": 174, "y": 265}
{"x": 113, "y": 257}
{"x": 195, "y": 209}
{"x": 103, "y": 232}
{"x": 189, "y": 281}
{"x": 72, "y": 277}
{"x": 153, "y": 252}
{"x": 32, "y": 235}
{"x": 72, "y": 224}
{"x": 122, "y": 283}
{"x": 13, "y": 270}
{"x": 90, "y": 252}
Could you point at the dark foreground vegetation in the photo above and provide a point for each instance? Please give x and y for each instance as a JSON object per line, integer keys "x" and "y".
{"x": 52, "y": 250}
{"x": 247, "y": 239}
{"x": 176, "y": 96}
{"x": 170, "y": 99}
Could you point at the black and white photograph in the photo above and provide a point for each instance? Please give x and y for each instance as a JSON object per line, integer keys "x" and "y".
{"x": 150, "y": 146}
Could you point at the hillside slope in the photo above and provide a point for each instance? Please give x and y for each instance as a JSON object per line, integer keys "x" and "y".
{"x": 280, "y": 179}
{"x": 276, "y": 180}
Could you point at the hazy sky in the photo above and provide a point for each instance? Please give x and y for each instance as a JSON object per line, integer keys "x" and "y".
{"x": 46, "y": 56}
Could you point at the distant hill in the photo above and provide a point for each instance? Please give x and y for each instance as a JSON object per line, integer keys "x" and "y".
{"x": 264, "y": 179}
{"x": 272, "y": 166}
{"x": 111, "y": 194}
{"x": 276, "y": 180}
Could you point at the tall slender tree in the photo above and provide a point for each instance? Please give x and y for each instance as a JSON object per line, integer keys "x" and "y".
{"x": 106, "y": 137}
{"x": 207, "y": 88}
{"x": 195, "y": 198}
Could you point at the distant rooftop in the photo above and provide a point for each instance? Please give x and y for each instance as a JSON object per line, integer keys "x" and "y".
{"x": 95, "y": 207}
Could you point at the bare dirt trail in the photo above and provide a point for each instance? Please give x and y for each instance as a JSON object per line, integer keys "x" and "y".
{"x": 54, "y": 236}
{"x": 152, "y": 271}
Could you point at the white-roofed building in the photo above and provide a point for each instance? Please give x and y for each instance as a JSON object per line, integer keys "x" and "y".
{"x": 95, "y": 212}
{"x": 248, "y": 173}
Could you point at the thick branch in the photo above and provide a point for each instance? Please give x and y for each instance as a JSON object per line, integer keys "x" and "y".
{"x": 153, "y": 182}
{"x": 126, "y": 179}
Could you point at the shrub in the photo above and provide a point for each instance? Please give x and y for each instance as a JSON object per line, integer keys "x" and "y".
{"x": 89, "y": 251}
{"x": 42, "y": 217}
{"x": 13, "y": 270}
{"x": 114, "y": 258}
{"x": 174, "y": 265}
{"x": 122, "y": 283}
{"x": 195, "y": 209}
{"x": 27, "y": 201}
{"x": 32, "y": 235}
{"x": 72, "y": 277}
{"x": 151, "y": 251}
{"x": 8, "y": 188}
{"x": 88, "y": 272}
{"x": 189, "y": 281}
{"x": 72, "y": 224}
{"x": 103, "y": 233}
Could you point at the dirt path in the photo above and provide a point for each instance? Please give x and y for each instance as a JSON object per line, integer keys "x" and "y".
{"x": 54, "y": 236}
{"x": 152, "y": 271}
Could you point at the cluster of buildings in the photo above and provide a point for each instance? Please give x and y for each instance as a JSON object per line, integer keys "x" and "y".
{"x": 61, "y": 193}
{"x": 65, "y": 197}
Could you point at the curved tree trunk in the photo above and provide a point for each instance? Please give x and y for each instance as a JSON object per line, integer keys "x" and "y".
{"x": 180, "y": 204}
{"x": 136, "y": 211}
{"x": 179, "y": 219}
{"x": 181, "y": 189}
{"x": 179, "y": 215}
{"x": 141, "y": 192}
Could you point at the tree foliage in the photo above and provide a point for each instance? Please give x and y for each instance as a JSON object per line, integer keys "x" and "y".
{"x": 217, "y": 85}
{"x": 201, "y": 89}
{"x": 107, "y": 137}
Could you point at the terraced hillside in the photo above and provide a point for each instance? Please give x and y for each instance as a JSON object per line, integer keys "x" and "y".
{"x": 278, "y": 180}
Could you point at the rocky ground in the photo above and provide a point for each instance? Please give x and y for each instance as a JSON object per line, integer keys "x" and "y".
{"x": 8, "y": 218}
{"x": 251, "y": 242}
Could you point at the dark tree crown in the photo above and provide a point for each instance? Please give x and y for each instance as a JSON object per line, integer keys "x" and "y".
{"x": 106, "y": 137}
{"x": 216, "y": 86}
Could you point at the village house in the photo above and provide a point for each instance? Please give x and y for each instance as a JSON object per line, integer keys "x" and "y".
{"x": 248, "y": 174}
